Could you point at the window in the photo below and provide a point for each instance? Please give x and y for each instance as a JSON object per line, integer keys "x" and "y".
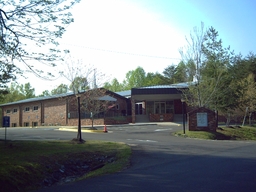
{"x": 160, "y": 107}
{"x": 26, "y": 124}
{"x": 169, "y": 107}
{"x": 117, "y": 106}
{"x": 35, "y": 108}
{"x": 8, "y": 111}
{"x": 34, "y": 124}
{"x": 27, "y": 109}
{"x": 14, "y": 124}
{"x": 15, "y": 110}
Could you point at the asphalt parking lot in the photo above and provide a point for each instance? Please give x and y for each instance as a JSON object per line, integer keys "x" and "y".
{"x": 161, "y": 161}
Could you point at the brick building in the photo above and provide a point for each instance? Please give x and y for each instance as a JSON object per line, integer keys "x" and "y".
{"x": 61, "y": 109}
{"x": 144, "y": 104}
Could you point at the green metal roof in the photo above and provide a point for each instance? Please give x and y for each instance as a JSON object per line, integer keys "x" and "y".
{"x": 38, "y": 99}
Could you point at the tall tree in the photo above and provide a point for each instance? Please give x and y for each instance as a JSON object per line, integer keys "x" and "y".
{"x": 80, "y": 76}
{"x": 212, "y": 75}
{"x": 194, "y": 52}
{"x": 29, "y": 30}
{"x": 248, "y": 98}
{"x": 18, "y": 92}
{"x": 45, "y": 93}
{"x": 62, "y": 88}
{"x": 155, "y": 79}
{"x": 135, "y": 78}
{"x": 79, "y": 84}
{"x": 28, "y": 91}
{"x": 169, "y": 73}
{"x": 217, "y": 59}
{"x": 114, "y": 85}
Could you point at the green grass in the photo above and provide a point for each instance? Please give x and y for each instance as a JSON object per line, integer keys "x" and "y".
{"x": 224, "y": 133}
{"x": 22, "y": 163}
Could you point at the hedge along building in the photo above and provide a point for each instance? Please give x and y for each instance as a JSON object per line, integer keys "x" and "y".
{"x": 157, "y": 103}
{"x": 61, "y": 109}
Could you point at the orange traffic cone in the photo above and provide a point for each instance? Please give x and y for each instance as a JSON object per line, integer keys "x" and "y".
{"x": 105, "y": 129}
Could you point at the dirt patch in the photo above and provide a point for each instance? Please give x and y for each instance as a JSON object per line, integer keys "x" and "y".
{"x": 58, "y": 171}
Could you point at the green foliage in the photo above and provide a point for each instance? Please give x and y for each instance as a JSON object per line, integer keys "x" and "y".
{"x": 18, "y": 92}
{"x": 62, "y": 88}
{"x": 45, "y": 93}
{"x": 183, "y": 72}
{"x": 79, "y": 84}
{"x": 113, "y": 86}
{"x": 212, "y": 86}
{"x": 135, "y": 78}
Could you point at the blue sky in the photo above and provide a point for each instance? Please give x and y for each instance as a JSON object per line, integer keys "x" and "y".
{"x": 116, "y": 36}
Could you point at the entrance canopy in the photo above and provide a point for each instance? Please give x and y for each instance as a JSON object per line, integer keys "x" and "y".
{"x": 157, "y": 103}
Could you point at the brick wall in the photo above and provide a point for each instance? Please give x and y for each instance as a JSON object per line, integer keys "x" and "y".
{"x": 33, "y": 115}
{"x": 14, "y": 116}
{"x": 55, "y": 112}
{"x": 85, "y": 122}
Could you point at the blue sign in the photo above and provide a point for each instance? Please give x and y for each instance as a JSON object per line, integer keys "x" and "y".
{"x": 6, "y": 121}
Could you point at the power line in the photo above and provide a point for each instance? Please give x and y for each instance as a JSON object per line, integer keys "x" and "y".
{"x": 121, "y": 52}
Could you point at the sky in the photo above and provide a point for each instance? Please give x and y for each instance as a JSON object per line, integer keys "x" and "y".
{"x": 116, "y": 36}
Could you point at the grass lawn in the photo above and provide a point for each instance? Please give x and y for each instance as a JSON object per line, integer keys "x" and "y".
{"x": 223, "y": 133}
{"x": 27, "y": 165}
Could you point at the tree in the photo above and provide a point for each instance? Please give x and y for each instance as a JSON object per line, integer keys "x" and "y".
{"x": 95, "y": 102}
{"x": 29, "y": 30}
{"x": 194, "y": 52}
{"x": 14, "y": 94}
{"x": 181, "y": 73}
{"x": 248, "y": 99}
{"x": 212, "y": 62}
{"x": 80, "y": 76}
{"x": 135, "y": 78}
{"x": 114, "y": 86}
{"x": 169, "y": 73}
{"x": 155, "y": 79}
{"x": 18, "y": 92}
{"x": 27, "y": 90}
{"x": 45, "y": 93}
{"x": 62, "y": 88}
{"x": 79, "y": 84}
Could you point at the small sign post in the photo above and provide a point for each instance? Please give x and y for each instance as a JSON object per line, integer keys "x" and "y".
{"x": 6, "y": 123}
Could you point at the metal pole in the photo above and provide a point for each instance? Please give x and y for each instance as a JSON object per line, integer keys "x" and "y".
{"x": 5, "y": 135}
{"x": 79, "y": 119}
{"x": 183, "y": 118}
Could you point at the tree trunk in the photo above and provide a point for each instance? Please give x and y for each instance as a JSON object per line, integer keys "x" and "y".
{"x": 92, "y": 122}
{"x": 228, "y": 120}
{"x": 217, "y": 118}
{"x": 250, "y": 118}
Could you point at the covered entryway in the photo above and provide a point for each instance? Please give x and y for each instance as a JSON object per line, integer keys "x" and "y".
{"x": 156, "y": 103}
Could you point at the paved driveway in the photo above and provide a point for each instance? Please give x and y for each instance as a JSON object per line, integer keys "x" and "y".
{"x": 162, "y": 162}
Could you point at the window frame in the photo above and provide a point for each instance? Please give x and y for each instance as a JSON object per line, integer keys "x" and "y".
{"x": 27, "y": 109}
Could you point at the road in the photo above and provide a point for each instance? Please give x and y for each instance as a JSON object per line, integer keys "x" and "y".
{"x": 162, "y": 162}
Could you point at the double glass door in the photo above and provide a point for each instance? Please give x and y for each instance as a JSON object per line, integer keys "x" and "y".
{"x": 160, "y": 107}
